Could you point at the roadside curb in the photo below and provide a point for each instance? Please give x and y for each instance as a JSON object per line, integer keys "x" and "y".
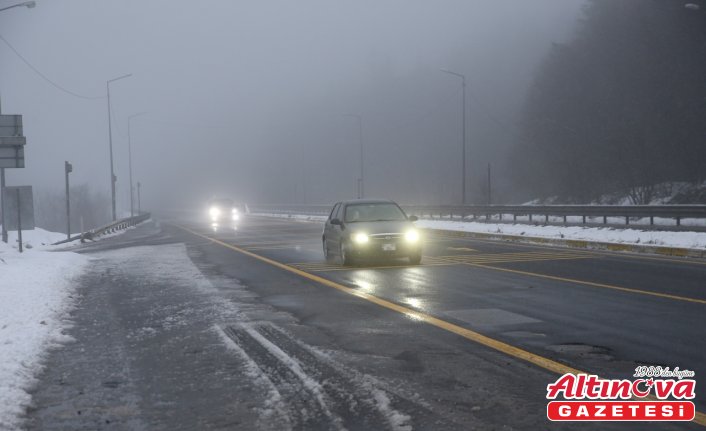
{"x": 575, "y": 243}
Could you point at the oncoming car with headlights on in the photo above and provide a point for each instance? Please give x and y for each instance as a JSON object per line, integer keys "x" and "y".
{"x": 360, "y": 229}
{"x": 222, "y": 211}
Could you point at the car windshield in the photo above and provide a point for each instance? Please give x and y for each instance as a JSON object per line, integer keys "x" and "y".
{"x": 223, "y": 203}
{"x": 373, "y": 212}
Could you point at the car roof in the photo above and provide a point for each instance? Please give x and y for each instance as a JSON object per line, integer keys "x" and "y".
{"x": 367, "y": 201}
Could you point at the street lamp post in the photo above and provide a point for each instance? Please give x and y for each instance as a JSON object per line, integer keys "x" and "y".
{"x": 3, "y": 235}
{"x": 463, "y": 134}
{"x": 110, "y": 144}
{"x": 129, "y": 152}
{"x": 361, "y": 181}
{"x": 139, "y": 206}
{"x": 27, "y": 4}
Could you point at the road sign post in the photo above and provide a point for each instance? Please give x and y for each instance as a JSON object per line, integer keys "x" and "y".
{"x": 2, "y": 205}
{"x": 19, "y": 220}
{"x": 11, "y": 156}
{"x": 68, "y": 168}
{"x": 19, "y": 208}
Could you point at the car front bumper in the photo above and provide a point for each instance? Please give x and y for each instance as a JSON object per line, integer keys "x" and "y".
{"x": 382, "y": 248}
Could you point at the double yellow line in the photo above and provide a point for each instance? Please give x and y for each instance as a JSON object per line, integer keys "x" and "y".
{"x": 516, "y": 352}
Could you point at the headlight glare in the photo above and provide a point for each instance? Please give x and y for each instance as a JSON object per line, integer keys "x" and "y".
{"x": 411, "y": 235}
{"x": 360, "y": 238}
{"x": 214, "y": 212}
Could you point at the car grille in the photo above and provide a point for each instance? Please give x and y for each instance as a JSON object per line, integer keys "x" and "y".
{"x": 386, "y": 237}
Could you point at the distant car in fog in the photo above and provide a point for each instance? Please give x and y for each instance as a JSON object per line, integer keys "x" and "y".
{"x": 223, "y": 210}
{"x": 360, "y": 229}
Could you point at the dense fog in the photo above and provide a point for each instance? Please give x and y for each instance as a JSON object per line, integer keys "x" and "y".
{"x": 257, "y": 101}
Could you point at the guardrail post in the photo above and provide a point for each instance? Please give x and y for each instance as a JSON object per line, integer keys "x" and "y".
{"x": 530, "y": 218}
{"x": 652, "y": 220}
{"x": 514, "y": 217}
{"x": 627, "y": 220}
{"x": 678, "y": 221}
{"x": 584, "y": 219}
{"x": 605, "y": 220}
{"x": 546, "y": 218}
{"x": 564, "y": 219}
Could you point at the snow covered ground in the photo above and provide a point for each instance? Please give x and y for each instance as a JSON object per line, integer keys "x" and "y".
{"x": 681, "y": 239}
{"x": 35, "y": 294}
{"x": 696, "y": 240}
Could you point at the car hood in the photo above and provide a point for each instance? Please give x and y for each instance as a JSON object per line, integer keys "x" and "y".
{"x": 376, "y": 227}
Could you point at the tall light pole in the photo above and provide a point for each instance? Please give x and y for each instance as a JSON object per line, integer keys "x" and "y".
{"x": 129, "y": 154}
{"x": 463, "y": 134}
{"x": 27, "y": 4}
{"x": 3, "y": 235}
{"x": 361, "y": 181}
{"x": 139, "y": 206}
{"x": 110, "y": 143}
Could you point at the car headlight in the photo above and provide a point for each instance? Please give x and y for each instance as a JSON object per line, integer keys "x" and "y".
{"x": 411, "y": 236}
{"x": 214, "y": 212}
{"x": 236, "y": 216}
{"x": 360, "y": 238}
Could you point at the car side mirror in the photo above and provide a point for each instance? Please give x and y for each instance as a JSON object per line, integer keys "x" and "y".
{"x": 412, "y": 218}
{"x": 336, "y": 222}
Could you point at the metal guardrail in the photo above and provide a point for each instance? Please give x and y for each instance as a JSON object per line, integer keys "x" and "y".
{"x": 534, "y": 213}
{"x": 109, "y": 228}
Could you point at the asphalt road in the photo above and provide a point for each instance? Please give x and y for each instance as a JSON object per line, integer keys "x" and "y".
{"x": 469, "y": 339}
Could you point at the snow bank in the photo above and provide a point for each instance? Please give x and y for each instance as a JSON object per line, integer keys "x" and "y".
{"x": 37, "y": 238}
{"x": 35, "y": 294}
{"x": 297, "y": 217}
{"x": 696, "y": 240}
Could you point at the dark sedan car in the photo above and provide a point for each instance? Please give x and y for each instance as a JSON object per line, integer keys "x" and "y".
{"x": 370, "y": 229}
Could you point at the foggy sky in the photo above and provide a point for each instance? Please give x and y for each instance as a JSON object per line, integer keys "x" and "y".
{"x": 247, "y": 99}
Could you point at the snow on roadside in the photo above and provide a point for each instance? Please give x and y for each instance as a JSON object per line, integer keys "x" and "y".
{"x": 681, "y": 239}
{"x": 36, "y": 290}
{"x": 297, "y": 217}
{"x": 37, "y": 238}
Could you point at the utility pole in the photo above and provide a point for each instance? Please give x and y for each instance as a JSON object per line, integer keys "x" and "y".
{"x": 463, "y": 134}
{"x": 361, "y": 180}
{"x": 129, "y": 153}
{"x": 490, "y": 200}
{"x": 68, "y": 168}
{"x": 139, "y": 209}
{"x": 113, "y": 178}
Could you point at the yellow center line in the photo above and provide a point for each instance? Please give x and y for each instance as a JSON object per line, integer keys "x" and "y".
{"x": 508, "y": 349}
{"x": 589, "y": 283}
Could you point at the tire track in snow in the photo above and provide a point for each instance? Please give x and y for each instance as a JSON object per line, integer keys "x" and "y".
{"x": 313, "y": 392}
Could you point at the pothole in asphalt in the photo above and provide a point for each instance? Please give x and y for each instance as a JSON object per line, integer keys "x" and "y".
{"x": 580, "y": 350}
{"x": 112, "y": 384}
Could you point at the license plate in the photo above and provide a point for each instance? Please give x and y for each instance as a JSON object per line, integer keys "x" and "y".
{"x": 389, "y": 247}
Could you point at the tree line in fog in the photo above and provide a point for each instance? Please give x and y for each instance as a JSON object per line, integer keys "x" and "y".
{"x": 620, "y": 108}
